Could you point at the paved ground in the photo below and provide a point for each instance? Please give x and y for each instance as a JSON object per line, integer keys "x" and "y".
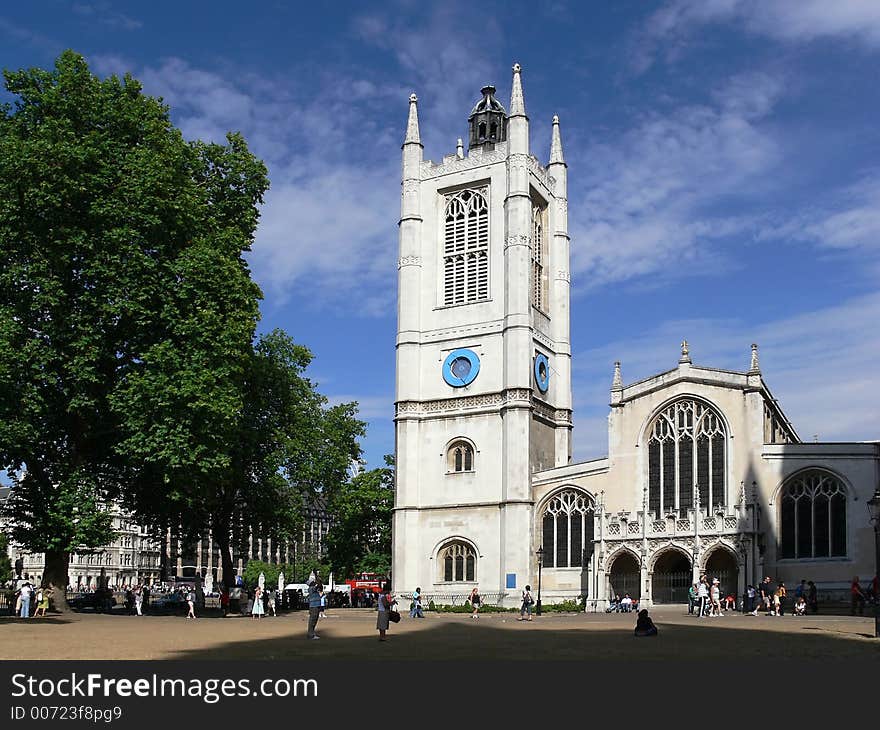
{"x": 350, "y": 633}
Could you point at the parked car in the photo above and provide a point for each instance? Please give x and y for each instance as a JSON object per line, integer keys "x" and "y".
{"x": 168, "y": 603}
{"x": 100, "y": 600}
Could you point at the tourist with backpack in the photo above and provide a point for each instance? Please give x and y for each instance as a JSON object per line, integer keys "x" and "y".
{"x": 527, "y": 601}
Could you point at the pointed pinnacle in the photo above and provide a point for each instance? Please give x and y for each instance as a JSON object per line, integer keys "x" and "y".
{"x": 517, "y": 104}
{"x": 754, "y": 367}
{"x": 617, "y": 382}
{"x": 412, "y": 124}
{"x": 556, "y": 144}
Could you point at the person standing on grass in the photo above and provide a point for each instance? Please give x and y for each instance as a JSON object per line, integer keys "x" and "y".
{"x": 475, "y": 602}
{"x": 383, "y": 619}
{"x": 315, "y": 590}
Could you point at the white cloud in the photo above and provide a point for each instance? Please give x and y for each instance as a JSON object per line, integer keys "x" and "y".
{"x": 672, "y": 27}
{"x": 648, "y": 204}
{"x": 821, "y": 365}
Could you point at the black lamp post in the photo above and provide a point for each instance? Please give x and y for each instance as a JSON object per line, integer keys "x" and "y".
{"x": 540, "y": 553}
{"x": 874, "y": 511}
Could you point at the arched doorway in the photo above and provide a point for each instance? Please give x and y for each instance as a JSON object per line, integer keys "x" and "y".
{"x": 671, "y": 578}
{"x": 722, "y": 564}
{"x": 625, "y": 576}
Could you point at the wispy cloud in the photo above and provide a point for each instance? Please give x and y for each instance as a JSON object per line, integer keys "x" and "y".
{"x": 821, "y": 365}
{"x": 105, "y": 14}
{"x": 650, "y": 203}
{"x": 669, "y": 30}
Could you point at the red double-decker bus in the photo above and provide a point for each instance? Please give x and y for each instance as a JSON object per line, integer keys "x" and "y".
{"x": 363, "y": 584}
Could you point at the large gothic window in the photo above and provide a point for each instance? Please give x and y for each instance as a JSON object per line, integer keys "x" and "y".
{"x": 813, "y": 516}
{"x": 460, "y": 457}
{"x": 466, "y": 248}
{"x": 686, "y": 449}
{"x": 567, "y": 527}
{"x": 458, "y": 563}
{"x": 539, "y": 258}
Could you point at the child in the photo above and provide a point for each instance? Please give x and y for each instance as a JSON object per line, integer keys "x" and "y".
{"x": 644, "y": 625}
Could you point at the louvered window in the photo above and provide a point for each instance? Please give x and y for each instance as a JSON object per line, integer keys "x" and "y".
{"x": 539, "y": 258}
{"x": 466, "y": 248}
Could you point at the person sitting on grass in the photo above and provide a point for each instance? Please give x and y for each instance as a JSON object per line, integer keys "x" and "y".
{"x": 644, "y": 625}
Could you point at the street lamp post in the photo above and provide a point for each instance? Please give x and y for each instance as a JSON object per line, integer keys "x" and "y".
{"x": 874, "y": 511}
{"x": 540, "y": 553}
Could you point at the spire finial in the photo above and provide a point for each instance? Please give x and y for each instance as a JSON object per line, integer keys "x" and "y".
{"x": 517, "y": 104}
{"x": 412, "y": 124}
{"x": 617, "y": 382}
{"x": 556, "y": 143}
{"x": 754, "y": 367}
{"x": 459, "y": 149}
{"x": 685, "y": 352}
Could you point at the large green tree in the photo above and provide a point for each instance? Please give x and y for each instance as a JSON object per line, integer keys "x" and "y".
{"x": 360, "y": 537}
{"x": 122, "y": 248}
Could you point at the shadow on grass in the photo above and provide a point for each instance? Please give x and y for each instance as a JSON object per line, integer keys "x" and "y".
{"x": 455, "y": 641}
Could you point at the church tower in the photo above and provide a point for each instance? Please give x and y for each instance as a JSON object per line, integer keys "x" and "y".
{"x": 483, "y": 380}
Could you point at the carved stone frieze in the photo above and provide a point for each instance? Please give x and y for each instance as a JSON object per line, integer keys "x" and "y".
{"x": 450, "y": 405}
{"x": 520, "y": 240}
{"x": 430, "y": 169}
{"x": 563, "y": 276}
{"x": 409, "y": 261}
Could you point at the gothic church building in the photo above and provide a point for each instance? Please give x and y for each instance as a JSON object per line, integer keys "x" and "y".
{"x": 704, "y": 472}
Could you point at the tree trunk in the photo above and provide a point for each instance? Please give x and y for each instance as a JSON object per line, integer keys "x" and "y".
{"x": 221, "y": 538}
{"x": 55, "y": 578}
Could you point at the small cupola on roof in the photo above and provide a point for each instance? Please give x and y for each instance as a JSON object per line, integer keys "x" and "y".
{"x": 487, "y": 120}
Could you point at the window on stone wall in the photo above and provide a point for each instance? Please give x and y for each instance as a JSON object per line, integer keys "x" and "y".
{"x": 539, "y": 258}
{"x": 460, "y": 457}
{"x": 458, "y": 563}
{"x": 466, "y": 248}
{"x": 813, "y": 516}
{"x": 686, "y": 448}
{"x": 567, "y": 529}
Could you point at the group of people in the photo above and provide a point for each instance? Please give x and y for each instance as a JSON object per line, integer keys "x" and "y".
{"x": 706, "y": 598}
{"x": 622, "y": 605}
{"x": 28, "y": 594}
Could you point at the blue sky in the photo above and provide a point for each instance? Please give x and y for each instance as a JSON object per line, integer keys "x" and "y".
{"x": 724, "y": 171}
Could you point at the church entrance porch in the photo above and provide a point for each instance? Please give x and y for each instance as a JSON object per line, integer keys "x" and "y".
{"x": 671, "y": 578}
{"x": 722, "y": 564}
{"x": 625, "y": 577}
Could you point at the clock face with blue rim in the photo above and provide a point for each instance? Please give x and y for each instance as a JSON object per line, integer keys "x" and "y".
{"x": 542, "y": 372}
{"x": 461, "y": 367}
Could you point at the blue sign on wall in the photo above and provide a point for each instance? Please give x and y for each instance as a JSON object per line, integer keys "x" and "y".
{"x": 511, "y": 580}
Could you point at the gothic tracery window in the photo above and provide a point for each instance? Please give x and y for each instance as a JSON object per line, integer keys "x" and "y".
{"x": 686, "y": 448}
{"x": 567, "y": 527}
{"x": 466, "y": 248}
{"x": 458, "y": 562}
{"x": 539, "y": 257}
{"x": 813, "y": 516}
{"x": 460, "y": 457}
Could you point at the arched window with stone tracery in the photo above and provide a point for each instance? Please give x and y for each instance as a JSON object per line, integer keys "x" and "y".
{"x": 686, "y": 448}
{"x": 466, "y": 247}
{"x": 458, "y": 562}
{"x": 567, "y": 529}
{"x": 460, "y": 457}
{"x": 813, "y": 516}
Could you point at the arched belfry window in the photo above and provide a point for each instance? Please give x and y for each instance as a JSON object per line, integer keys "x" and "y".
{"x": 466, "y": 248}
{"x": 458, "y": 562}
{"x": 460, "y": 457}
{"x": 813, "y": 516}
{"x": 686, "y": 448}
{"x": 539, "y": 258}
{"x": 567, "y": 529}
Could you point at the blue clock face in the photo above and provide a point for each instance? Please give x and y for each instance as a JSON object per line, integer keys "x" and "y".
{"x": 461, "y": 367}
{"x": 542, "y": 372}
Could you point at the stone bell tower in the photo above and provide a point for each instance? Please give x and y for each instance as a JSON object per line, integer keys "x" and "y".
{"x": 483, "y": 384}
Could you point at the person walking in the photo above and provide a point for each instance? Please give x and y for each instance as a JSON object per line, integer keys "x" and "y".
{"x": 26, "y": 593}
{"x": 715, "y": 598}
{"x": 257, "y": 608}
{"x": 270, "y": 603}
{"x": 527, "y": 601}
{"x": 42, "y": 602}
{"x": 315, "y": 590}
{"x": 751, "y": 596}
{"x": 383, "y": 615}
{"x": 780, "y": 599}
{"x": 692, "y": 598}
{"x": 767, "y": 603}
{"x": 191, "y": 602}
{"x": 139, "y": 600}
{"x": 702, "y": 596}
{"x": 475, "y": 602}
{"x": 415, "y": 607}
{"x": 856, "y": 597}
